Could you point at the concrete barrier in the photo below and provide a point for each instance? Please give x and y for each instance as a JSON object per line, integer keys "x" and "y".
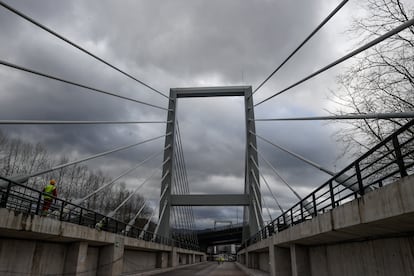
{"x": 34, "y": 245}
{"x": 371, "y": 235}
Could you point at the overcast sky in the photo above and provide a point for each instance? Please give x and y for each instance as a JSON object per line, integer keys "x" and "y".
{"x": 185, "y": 43}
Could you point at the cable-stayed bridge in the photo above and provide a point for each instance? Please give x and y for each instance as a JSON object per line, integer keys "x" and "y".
{"x": 367, "y": 203}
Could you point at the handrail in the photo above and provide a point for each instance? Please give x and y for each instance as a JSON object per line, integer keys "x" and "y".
{"x": 376, "y": 170}
{"x": 30, "y": 202}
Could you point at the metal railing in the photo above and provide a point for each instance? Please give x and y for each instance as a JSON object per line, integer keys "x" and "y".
{"x": 388, "y": 161}
{"x": 23, "y": 199}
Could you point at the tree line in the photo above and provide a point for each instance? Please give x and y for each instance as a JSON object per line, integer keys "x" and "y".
{"x": 18, "y": 157}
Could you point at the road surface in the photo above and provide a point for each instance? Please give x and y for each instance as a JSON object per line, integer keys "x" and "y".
{"x": 209, "y": 268}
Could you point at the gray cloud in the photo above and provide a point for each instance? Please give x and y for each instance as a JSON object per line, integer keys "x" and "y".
{"x": 175, "y": 44}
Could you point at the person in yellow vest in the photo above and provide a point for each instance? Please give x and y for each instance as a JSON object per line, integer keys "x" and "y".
{"x": 48, "y": 193}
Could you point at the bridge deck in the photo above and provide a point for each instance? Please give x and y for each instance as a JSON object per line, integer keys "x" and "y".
{"x": 209, "y": 268}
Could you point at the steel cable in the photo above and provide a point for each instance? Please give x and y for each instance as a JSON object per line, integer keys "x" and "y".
{"x": 21, "y": 68}
{"x": 344, "y": 58}
{"x": 303, "y": 43}
{"x": 31, "y": 20}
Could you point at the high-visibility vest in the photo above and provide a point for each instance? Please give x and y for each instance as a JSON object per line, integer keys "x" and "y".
{"x": 48, "y": 191}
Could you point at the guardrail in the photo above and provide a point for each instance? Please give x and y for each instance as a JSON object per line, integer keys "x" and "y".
{"x": 391, "y": 159}
{"x": 27, "y": 200}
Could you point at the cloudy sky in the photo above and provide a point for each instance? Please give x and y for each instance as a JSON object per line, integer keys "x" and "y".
{"x": 181, "y": 43}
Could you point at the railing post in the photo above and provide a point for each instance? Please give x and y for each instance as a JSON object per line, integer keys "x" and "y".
{"x": 315, "y": 211}
{"x": 331, "y": 193}
{"x": 277, "y": 224}
{"x": 61, "y": 210}
{"x": 291, "y": 216}
{"x": 5, "y": 197}
{"x": 271, "y": 229}
{"x": 398, "y": 155}
{"x": 38, "y": 203}
{"x": 29, "y": 208}
{"x": 359, "y": 178}
{"x": 80, "y": 216}
{"x": 301, "y": 210}
{"x": 380, "y": 183}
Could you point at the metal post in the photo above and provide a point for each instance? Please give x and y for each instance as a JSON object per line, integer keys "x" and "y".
{"x": 80, "y": 216}
{"x": 398, "y": 155}
{"x": 39, "y": 200}
{"x": 359, "y": 178}
{"x": 5, "y": 196}
{"x": 315, "y": 211}
{"x": 301, "y": 210}
{"x": 62, "y": 204}
{"x": 331, "y": 194}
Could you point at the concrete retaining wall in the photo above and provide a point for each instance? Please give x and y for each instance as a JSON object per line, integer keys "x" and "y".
{"x": 33, "y": 245}
{"x": 48, "y": 258}
{"x": 19, "y": 250}
{"x": 183, "y": 259}
{"x": 264, "y": 261}
{"x": 393, "y": 256}
{"x": 29, "y": 257}
{"x": 91, "y": 262}
{"x": 372, "y": 235}
{"x": 135, "y": 261}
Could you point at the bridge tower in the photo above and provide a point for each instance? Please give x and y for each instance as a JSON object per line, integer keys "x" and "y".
{"x": 250, "y": 199}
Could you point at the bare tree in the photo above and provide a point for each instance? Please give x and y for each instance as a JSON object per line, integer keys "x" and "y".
{"x": 382, "y": 78}
{"x": 73, "y": 182}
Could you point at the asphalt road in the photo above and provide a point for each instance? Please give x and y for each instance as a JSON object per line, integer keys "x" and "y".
{"x": 209, "y": 268}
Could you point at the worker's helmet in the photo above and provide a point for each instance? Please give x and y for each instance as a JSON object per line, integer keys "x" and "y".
{"x": 52, "y": 182}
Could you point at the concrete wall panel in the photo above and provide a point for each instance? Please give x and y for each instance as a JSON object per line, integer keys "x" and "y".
{"x": 16, "y": 250}
{"x": 384, "y": 202}
{"x": 182, "y": 259}
{"x": 162, "y": 260}
{"x": 300, "y": 260}
{"x": 318, "y": 259}
{"x": 264, "y": 261}
{"x": 282, "y": 261}
{"x": 91, "y": 263}
{"x": 391, "y": 256}
{"x": 406, "y": 193}
{"x": 75, "y": 258}
{"x": 48, "y": 258}
{"x": 253, "y": 260}
{"x": 110, "y": 260}
{"x": 135, "y": 261}
{"x": 242, "y": 259}
{"x": 198, "y": 258}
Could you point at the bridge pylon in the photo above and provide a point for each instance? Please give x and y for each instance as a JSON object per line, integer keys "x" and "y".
{"x": 250, "y": 199}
